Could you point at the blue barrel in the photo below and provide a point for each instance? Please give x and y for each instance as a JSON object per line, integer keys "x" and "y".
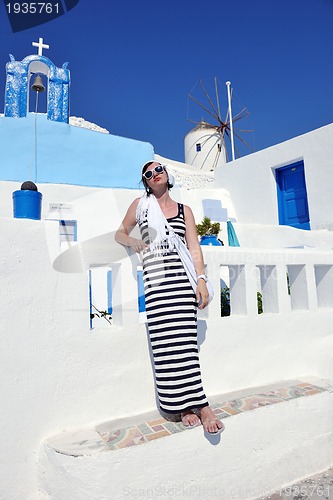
{"x": 210, "y": 239}
{"x": 27, "y": 204}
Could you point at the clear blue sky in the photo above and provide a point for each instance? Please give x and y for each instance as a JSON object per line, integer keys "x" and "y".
{"x": 133, "y": 64}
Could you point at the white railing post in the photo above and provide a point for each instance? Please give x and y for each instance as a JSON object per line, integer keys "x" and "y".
{"x": 324, "y": 284}
{"x": 284, "y": 304}
{"x": 243, "y": 289}
{"x": 251, "y": 289}
{"x": 268, "y": 279}
{"x": 298, "y": 284}
{"x": 214, "y": 308}
{"x": 125, "y": 294}
{"x": 311, "y": 287}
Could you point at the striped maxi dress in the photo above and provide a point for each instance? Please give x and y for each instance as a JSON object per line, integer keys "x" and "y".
{"x": 172, "y": 325}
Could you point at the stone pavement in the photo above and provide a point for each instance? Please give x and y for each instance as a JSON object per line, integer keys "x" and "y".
{"x": 317, "y": 487}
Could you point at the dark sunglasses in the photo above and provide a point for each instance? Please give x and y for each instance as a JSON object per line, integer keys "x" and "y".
{"x": 149, "y": 174}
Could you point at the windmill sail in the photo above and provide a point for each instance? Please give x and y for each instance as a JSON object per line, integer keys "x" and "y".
{"x": 213, "y": 140}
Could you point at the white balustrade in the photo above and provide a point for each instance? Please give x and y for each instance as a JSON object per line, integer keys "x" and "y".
{"x": 288, "y": 280}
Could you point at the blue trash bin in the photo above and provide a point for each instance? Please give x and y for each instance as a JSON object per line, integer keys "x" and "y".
{"x": 27, "y": 204}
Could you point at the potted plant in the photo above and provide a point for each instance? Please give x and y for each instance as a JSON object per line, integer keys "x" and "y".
{"x": 208, "y": 231}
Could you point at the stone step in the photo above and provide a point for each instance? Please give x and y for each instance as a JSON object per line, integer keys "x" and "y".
{"x": 142, "y": 429}
{"x": 275, "y": 435}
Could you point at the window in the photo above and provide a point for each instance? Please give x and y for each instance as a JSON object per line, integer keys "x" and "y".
{"x": 100, "y": 296}
{"x": 68, "y": 230}
{"x": 198, "y": 146}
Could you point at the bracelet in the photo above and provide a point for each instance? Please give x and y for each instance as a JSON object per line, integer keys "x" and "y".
{"x": 203, "y": 277}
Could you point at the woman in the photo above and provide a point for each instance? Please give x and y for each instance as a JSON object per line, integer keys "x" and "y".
{"x": 171, "y": 304}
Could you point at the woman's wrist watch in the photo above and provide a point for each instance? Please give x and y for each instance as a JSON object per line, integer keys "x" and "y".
{"x": 202, "y": 277}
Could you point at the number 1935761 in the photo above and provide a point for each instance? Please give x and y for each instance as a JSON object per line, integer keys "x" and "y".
{"x": 32, "y": 8}
{"x": 306, "y": 490}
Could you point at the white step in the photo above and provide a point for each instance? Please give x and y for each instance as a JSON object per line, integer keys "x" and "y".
{"x": 276, "y": 427}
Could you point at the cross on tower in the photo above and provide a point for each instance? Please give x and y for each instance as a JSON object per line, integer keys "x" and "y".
{"x": 40, "y": 46}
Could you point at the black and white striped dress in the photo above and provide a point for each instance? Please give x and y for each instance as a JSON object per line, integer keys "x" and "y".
{"x": 172, "y": 324}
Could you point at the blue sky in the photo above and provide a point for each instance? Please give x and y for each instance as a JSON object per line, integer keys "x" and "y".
{"x": 133, "y": 64}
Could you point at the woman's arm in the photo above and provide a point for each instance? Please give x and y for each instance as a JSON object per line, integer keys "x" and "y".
{"x": 122, "y": 235}
{"x": 197, "y": 257}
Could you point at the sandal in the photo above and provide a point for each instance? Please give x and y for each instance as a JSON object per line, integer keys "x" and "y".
{"x": 213, "y": 421}
{"x": 187, "y": 424}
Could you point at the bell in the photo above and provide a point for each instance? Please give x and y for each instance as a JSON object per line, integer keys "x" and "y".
{"x": 38, "y": 86}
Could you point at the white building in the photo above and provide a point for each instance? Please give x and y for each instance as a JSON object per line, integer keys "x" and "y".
{"x": 79, "y": 417}
{"x": 205, "y": 147}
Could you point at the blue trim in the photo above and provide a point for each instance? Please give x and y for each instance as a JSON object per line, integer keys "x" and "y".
{"x": 69, "y": 223}
{"x": 75, "y": 230}
{"x": 90, "y": 302}
{"x": 141, "y": 292}
{"x": 109, "y": 290}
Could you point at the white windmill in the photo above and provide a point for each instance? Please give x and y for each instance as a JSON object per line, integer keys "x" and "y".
{"x": 205, "y": 145}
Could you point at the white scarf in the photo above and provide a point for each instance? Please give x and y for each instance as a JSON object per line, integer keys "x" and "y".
{"x": 161, "y": 242}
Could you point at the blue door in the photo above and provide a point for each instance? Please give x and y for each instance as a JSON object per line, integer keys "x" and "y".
{"x": 292, "y": 196}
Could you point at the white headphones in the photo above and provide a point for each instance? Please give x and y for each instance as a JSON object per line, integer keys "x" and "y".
{"x": 171, "y": 179}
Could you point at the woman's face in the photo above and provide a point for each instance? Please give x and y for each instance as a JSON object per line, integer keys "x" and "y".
{"x": 155, "y": 176}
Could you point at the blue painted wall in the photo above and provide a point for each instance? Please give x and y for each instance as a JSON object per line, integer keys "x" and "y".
{"x": 17, "y": 87}
{"x": 68, "y": 154}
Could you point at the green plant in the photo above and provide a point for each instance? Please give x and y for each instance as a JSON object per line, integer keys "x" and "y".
{"x": 207, "y": 227}
{"x": 288, "y": 283}
{"x": 101, "y": 314}
{"x": 259, "y": 303}
{"x": 225, "y": 302}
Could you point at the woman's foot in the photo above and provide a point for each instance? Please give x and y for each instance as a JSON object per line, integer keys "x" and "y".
{"x": 189, "y": 418}
{"x": 211, "y": 423}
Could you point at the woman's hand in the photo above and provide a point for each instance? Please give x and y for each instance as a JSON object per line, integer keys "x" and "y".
{"x": 202, "y": 294}
{"x": 137, "y": 245}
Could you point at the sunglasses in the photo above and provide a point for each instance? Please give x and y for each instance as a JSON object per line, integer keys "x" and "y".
{"x": 149, "y": 174}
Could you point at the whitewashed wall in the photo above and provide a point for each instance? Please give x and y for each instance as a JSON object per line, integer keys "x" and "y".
{"x": 251, "y": 180}
{"x": 56, "y": 374}
{"x": 97, "y": 210}
{"x": 101, "y": 210}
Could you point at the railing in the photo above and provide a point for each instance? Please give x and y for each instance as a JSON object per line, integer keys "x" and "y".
{"x": 285, "y": 279}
